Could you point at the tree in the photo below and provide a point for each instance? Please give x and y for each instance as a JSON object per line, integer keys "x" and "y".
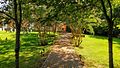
{"x": 110, "y": 27}
{"x": 17, "y": 17}
{"x": 18, "y": 21}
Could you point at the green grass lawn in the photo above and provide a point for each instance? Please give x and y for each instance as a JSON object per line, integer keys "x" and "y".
{"x": 95, "y": 51}
{"x": 31, "y": 54}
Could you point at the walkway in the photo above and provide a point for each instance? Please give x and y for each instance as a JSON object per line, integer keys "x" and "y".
{"x": 63, "y": 55}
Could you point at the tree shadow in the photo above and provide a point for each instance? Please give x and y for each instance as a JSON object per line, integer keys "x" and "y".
{"x": 115, "y": 40}
{"x": 6, "y": 46}
{"x": 33, "y": 39}
{"x": 7, "y": 53}
{"x": 29, "y": 59}
{"x": 98, "y": 37}
{"x": 7, "y": 62}
{"x": 30, "y": 52}
{"x": 62, "y": 60}
{"x": 33, "y": 59}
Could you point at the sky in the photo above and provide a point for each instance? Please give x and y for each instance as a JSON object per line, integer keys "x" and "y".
{"x": 2, "y": 4}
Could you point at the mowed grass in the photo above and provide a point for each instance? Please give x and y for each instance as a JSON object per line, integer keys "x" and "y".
{"x": 31, "y": 54}
{"x": 95, "y": 51}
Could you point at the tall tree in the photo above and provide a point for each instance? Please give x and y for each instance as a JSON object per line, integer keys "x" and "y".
{"x": 110, "y": 26}
{"x": 17, "y": 17}
{"x": 18, "y": 21}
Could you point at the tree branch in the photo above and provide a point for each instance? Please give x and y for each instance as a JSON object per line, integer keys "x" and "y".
{"x": 110, "y": 9}
{"x": 20, "y": 10}
{"x": 7, "y": 15}
{"x": 104, "y": 10}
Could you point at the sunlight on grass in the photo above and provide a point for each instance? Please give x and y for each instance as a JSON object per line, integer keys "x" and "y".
{"x": 95, "y": 51}
{"x": 30, "y": 52}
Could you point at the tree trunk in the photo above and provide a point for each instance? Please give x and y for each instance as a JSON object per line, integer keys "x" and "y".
{"x": 17, "y": 36}
{"x": 18, "y": 26}
{"x": 110, "y": 30}
{"x": 17, "y": 47}
{"x": 110, "y": 25}
{"x": 110, "y": 46}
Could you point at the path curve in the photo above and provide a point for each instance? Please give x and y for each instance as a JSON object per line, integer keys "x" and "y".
{"x": 63, "y": 54}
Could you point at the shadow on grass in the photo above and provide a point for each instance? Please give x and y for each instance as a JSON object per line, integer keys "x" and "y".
{"x": 31, "y": 54}
{"x": 29, "y": 38}
{"x": 98, "y": 37}
{"x": 32, "y": 39}
{"x": 27, "y": 60}
{"x": 33, "y": 59}
{"x": 6, "y": 46}
{"x": 115, "y": 40}
{"x": 7, "y": 63}
{"x": 7, "y": 53}
{"x": 63, "y": 61}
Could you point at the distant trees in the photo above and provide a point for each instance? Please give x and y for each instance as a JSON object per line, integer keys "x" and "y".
{"x": 25, "y": 26}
